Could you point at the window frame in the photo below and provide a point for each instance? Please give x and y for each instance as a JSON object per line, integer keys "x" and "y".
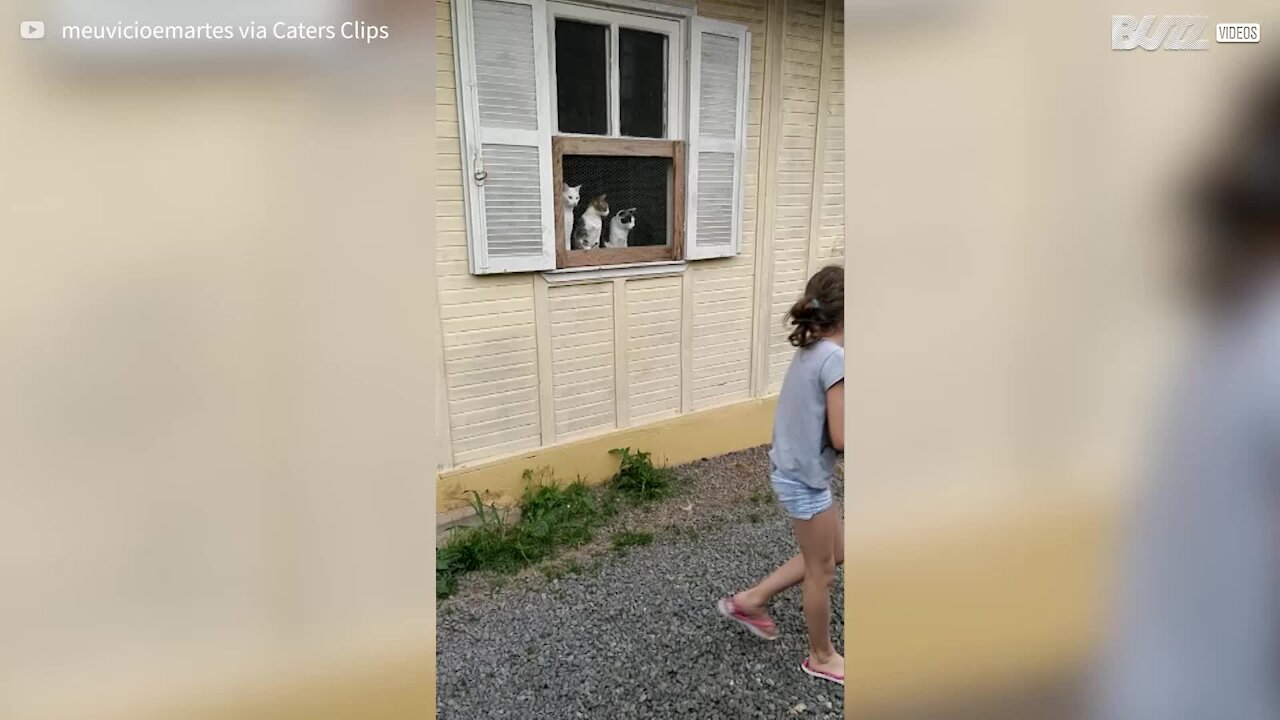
{"x": 672, "y": 144}
{"x": 562, "y": 145}
{"x": 677, "y": 32}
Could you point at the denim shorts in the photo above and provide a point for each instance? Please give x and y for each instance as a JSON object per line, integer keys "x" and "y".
{"x": 799, "y": 500}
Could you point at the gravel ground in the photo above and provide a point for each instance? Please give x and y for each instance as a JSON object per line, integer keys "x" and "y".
{"x": 636, "y": 634}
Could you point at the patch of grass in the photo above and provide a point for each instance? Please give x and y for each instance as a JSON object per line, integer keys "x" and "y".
{"x": 638, "y": 479}
{"x": 552, "y": 516}
{"x": 631, "y": 539}
{"x": 760, "y": 497}
{"x": 753, "y": 517}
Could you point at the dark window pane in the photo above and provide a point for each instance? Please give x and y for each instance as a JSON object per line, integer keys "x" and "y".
{"x": 582, "y": 77}
{"x": 642, "y": 70}
{"x": 639, "y": 184}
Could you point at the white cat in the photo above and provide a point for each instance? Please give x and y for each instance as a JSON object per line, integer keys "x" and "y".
{"x": 620, "y": 227}
{"x": 587, "y": 235}
{"x": 568, "y": 201}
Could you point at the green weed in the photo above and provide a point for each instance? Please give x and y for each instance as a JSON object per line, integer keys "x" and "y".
{"x": 638, "y": 479}
{"x": 552, "y": 516}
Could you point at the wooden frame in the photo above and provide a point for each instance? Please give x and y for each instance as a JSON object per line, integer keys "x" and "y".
{"x": 620, "y": 147}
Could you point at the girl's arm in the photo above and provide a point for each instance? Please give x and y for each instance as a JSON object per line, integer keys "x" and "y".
{"x": 835, "y": 415}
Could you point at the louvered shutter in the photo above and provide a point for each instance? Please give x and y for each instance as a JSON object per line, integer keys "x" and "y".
{"x": 504, "y": 96}
{"x": 719, "y": 76}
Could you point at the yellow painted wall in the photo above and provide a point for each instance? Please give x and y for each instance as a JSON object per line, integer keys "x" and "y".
{"x": 623, "y": 353}
{"x": 680, "y": 439}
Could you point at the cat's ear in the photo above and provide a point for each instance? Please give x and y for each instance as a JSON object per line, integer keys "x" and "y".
{"x": 576, "y": 188}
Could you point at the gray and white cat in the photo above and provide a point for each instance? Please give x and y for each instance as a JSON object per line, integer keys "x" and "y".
{"x": 587, "y": 235}
{"x": 568, "y": 201}
{"x": 620, "y": 227}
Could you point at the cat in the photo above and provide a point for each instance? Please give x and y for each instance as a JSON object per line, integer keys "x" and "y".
{"x": 568, "y": 201}
{"x": 587, "y": 235}
{"x": 620, "y": 227}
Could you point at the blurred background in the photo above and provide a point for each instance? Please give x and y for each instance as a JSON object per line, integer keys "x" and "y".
{"x": 1017, "y": 264}
{"x": 216, "y": 383}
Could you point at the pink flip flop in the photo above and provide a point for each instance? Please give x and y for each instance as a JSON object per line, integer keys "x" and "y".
{"x": 821, "y": 675}
{"x": 761, "y": 626}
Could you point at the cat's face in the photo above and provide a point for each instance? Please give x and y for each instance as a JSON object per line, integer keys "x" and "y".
{"x": 600, "y": 204}
{"x": 627, "y": 218}
{"x": 570, "y": 194}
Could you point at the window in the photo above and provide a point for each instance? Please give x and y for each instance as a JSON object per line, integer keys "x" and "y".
{"x": 582, "y": 79}
{"x": 640, "y": 186}
{"x": 582, "y": 141}
{"x": 614, "y": 79}
{"x": 615, "y": 73}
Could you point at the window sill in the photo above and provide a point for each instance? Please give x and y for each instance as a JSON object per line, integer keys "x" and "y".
{"x": 611, "y": 272}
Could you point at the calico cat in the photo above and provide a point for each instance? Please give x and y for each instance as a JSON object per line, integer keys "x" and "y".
{"x": 620, "y": 227}
{"x": 568, "y": 201}
{"x": 587, "y": 235}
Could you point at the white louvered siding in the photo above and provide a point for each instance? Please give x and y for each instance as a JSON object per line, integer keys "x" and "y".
{"x": 653, "y": 348}
{"x": 715, "y": 199}
{"x": 505, "y": 83}
{"x": 487, "y": 322}
{"x": 513, "y": 201}
{"x": 723, "y": 289}
{"x": 582, "y": 360}
{"x": 802, "y": 62}
{"x": 718, "y": 88}
{"x": 833, "y": 222}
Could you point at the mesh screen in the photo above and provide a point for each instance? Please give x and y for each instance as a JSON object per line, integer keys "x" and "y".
{"x": 643, "y": 183}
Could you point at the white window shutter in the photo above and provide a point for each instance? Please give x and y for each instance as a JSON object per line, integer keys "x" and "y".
{"x": 505, "y": 106}
{"x": 718, "y": 91}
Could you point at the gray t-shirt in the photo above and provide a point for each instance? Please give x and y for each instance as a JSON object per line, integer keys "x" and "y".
{"x": 1196, "y": 632}
{"x": 801, "y": 441}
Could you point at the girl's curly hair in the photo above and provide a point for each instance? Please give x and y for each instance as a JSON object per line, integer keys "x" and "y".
{"x": 1238, "y": 199}
{"x": 820, "y": 310}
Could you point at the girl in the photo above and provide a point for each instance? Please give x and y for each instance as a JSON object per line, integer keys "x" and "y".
{"x": 808, "y": 432}
{"x": 1196, "y": 629}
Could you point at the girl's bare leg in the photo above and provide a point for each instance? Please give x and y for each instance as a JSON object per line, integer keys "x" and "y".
{"x": 754, "y": 599}
{"x": 817, "y": 539}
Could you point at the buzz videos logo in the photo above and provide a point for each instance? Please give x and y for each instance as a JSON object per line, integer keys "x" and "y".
{"x": 1152, "y": 32}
